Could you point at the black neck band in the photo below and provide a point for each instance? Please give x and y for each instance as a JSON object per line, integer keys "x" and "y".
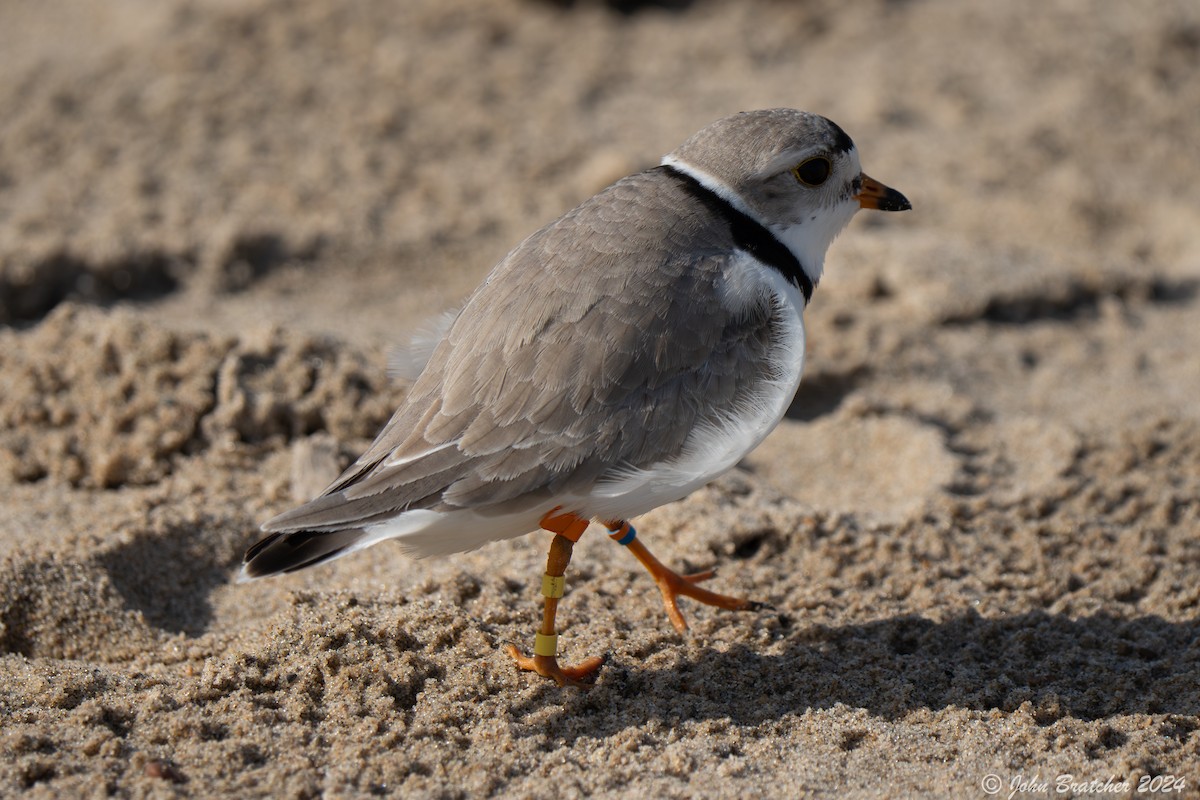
{"x": 748, "y": 234}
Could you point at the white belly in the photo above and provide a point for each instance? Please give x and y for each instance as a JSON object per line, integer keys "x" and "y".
{"x": 712, "y": 449}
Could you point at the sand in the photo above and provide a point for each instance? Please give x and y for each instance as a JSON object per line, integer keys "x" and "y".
{"x": 979, "y": 525}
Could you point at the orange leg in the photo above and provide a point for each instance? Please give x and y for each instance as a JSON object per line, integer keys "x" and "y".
{"x": 672, "y": 584}
{"x": 567, "y": 529}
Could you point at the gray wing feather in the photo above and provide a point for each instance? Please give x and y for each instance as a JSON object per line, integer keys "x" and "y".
{"x": 597, "y": 343}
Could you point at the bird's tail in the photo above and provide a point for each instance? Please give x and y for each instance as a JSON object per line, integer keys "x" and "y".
{"x": 288, "y": 552}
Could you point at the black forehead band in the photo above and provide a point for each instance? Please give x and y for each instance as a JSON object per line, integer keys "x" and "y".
{"x": 842, "y": 143}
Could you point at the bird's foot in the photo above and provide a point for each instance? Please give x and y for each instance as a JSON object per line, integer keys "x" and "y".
{"x": 671, "y": 583}
{"x": 581, "y": 676}
{"x": 673, "y": 586}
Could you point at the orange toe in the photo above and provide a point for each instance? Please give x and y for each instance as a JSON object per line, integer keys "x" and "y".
{"x": 580, "y": 676}
{"x": 673, "y": 586}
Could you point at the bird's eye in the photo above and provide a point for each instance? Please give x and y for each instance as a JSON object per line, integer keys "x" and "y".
{"x": 813, "y": 172}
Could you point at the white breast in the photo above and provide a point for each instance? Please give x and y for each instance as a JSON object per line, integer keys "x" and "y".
{"x": 714, "y": 448}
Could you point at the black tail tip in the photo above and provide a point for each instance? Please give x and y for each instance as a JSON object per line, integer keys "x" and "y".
{"x": 288, "y": 552}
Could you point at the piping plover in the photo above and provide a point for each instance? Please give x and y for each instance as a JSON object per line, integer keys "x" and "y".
{"x": 616, "y": 360}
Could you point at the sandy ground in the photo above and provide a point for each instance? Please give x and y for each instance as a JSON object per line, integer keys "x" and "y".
{"x": 980, "y": 525}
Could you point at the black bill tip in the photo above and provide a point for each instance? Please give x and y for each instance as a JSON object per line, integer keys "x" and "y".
{"x": 875, "y": 195}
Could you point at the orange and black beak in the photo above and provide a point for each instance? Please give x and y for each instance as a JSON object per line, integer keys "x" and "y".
{"x": 874, "y": 194}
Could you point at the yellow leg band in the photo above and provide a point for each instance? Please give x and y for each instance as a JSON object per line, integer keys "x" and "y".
{"x": 544, "y": 645}
{"x": 552, "y": 586}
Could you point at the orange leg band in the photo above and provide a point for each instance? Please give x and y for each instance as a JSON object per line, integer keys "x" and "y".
{"x": 569, "y": 526}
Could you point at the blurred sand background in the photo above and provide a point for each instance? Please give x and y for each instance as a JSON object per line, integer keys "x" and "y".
{"x": 980, "y": 524}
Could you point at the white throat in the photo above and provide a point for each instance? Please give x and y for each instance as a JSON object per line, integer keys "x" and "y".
{"x": 810, "y": 240}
